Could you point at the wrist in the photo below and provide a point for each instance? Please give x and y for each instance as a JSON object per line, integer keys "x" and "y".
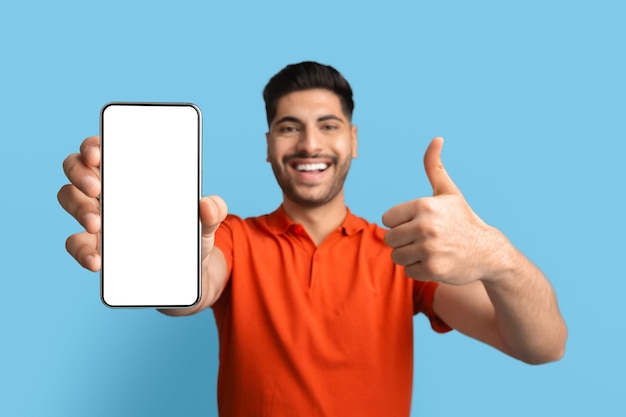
{"x": 503, "y": 260}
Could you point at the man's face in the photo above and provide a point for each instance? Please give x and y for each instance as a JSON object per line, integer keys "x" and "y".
{"x": 310, "y": 145}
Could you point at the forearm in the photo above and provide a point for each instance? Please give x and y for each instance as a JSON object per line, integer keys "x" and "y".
{"x": 526, "y": 310}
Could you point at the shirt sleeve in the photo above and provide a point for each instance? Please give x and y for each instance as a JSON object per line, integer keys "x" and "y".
{"x": 423, "y": 296}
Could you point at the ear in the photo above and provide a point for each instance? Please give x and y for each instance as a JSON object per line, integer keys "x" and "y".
{"x": 355, "y": 141}
{"x": 267, "y": 142}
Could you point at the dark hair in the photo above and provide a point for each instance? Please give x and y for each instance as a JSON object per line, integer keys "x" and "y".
{"x": 306, "y": 76}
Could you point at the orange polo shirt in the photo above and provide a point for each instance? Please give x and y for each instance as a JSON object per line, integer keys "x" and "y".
{"x": 315, "y": 331}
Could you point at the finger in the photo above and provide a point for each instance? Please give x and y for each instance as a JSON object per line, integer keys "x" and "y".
{"x": 400, "y": 214}
{"x": 84, "y": 209}
{"x": 82, "y": 176}
{"x": 213, "y": 211}
{"x": 84, "y": 247}
{"x": 90, "y": 151}
{"x": 423, "y": 266}
{"x": 407, "y": 255}
{"x": 403, "y": 235}
{"x": 418, "y": 271}
{"x": 437, "y": 174}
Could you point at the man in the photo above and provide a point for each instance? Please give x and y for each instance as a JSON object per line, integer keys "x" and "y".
{"x": 314, "y": 305}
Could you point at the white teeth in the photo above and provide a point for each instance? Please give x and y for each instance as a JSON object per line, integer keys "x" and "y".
{"x": 312, "y": 167}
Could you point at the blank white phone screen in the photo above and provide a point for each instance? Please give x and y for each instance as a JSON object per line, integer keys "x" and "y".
{"x": 150, "y": 170}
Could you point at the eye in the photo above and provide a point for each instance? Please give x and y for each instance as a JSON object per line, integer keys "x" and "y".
{"x": 329, "y": 126}
{"x": 285, "y": 129}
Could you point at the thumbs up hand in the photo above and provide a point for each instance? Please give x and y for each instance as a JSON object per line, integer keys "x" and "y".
{"x": 440, "y": 238}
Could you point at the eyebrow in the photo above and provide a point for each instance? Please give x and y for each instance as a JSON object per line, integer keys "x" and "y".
{"x": 296, "y": 120}
{"x": 330, "y": 117}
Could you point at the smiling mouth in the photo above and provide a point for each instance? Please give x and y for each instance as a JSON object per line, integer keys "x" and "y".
{"x": 311, "y": 167}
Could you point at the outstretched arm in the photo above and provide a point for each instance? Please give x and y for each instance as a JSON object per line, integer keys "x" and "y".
{"x": 488, "y": 290}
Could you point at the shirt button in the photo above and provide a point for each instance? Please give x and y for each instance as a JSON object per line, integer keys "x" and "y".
{"x": 317, "y": 257}
{"x": 298, "y": 229}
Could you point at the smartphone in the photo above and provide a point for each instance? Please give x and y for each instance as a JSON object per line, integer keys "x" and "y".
{"x": 149, "y": 204}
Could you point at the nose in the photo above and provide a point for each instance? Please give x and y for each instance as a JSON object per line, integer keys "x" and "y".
{"x": 309, "y": 141}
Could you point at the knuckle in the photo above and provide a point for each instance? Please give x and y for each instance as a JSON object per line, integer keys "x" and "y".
{"x": 71, "y": 167}
{"x": 412, "y": 271}
{"x": 430, "y": 268}
{"x": 68, "y": 163}
{"x": 85, "y": 144}
{"x": 421, "y": 204}
{"x": 388, "y": 238}
{"x": 430, "y": 229}
{"x": 89, "y": 142}
{"x": 397, "y": 257}
{"x": 437, "y": 270}
{"x": 403, "y": 256}
{"x": 424, "y": 205}
{"x": 430, "y": 271}
{"x": 61, "y": 195}
{"x": 387, "y": 218}
{"x": 70, "y": 244}
{"x": 432, "y": 233}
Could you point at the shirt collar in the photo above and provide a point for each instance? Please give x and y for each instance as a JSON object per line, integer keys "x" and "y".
{"x": 280, "y": 223}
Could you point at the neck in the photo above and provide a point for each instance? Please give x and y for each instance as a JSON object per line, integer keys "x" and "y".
{"x": 320, "y": 221}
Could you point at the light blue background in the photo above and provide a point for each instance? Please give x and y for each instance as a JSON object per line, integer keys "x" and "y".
{"x": 530, "y": 97}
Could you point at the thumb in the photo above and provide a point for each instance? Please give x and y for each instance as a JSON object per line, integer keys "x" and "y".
{"x": 437, "y": 175}
{"x": 213, "y": 211}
